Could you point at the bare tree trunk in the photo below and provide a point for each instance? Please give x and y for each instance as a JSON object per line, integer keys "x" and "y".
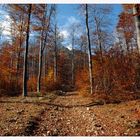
{"x": 89, "y": 51}
{"x": 41, "y": 50}
{"x": 136, "y": 12}
{"x": 72, "y": 62}
{"x": 85, "y": 58}
{"x": 45, "y": 63}
{"x": 42, "y": 45}
{"x": 17, "y": 65}
{"x": 26, "y": 52}
{"x": 55, "y": 55}
{"x": 18, "y": 55}
{"x": 40, "y": 67}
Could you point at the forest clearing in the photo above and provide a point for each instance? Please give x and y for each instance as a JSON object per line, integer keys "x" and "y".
{"x": 70, "y": 70}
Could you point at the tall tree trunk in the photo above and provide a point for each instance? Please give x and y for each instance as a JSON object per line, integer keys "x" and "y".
{"x": 45, "y": 63}
{"x": 18, "y": 59}
{"x": 89, "y": 51}
{"x": 55, "y": 55}
{"x": 72, "y": 62}
{"x": 40, "y": 67}
{"x": 43, "y": 41}
{"x": 19, "y": 52}
{"x": 136, "y": 12}
{"x": 41, "y": 50}
{"x": 26, "y": 52}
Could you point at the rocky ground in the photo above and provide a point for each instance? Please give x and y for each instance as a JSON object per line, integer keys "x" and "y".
{"x": 68, "y": 115}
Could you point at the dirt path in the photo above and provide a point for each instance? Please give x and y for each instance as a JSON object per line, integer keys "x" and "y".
{"x": 72, "y": 115}
{"x": 68, "y": 115}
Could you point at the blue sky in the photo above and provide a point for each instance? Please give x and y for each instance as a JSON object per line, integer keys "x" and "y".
{"x": 65, "y": 11}
{"x": 68, "y": 13}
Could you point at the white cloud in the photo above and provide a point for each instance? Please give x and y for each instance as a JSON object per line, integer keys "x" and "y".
{"x": 7, "y": 17}
{"x": 72, "y": 20}
{"x": 6, "y": 25}
{"x": 66, "y": 27}
{"x": 64, "y": 33}
{"x": 69, "y": 47}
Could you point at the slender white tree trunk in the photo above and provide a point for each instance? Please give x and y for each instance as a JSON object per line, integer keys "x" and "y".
{"x": 136, "y": 12}
{"x": 89, "y": 51}
{"x": 40, "y": 67}
{"x": 72, "y": 61}
{"x": 55, "y": 55}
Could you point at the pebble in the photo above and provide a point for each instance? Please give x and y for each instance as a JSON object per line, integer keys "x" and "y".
{"x": 128, "y": 130}
{"x": 40, "y": 98}
{"x": 88, "y": 131}
{"x": 44, "y": 134}
{"x": 87, "y": 108}
{"x": 102, "y": 132}
{"x": 56, "y": 108}
{"x": 114, "y": 131}
{"x": 68, "y": 123}
{"x": 55, "y": 132}
{"x": 96, "y": 133}
{"x": 134, "y": 124}
{"x": 48, "y": 133}
{"x": 137, "y": 134}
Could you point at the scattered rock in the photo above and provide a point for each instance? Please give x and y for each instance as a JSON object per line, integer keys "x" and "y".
{"x": 56, "y": 108}
{"x": 128, "y": 130}
{"x": 134, "y": 124}
{"x": 114, "y": 131}
{"x": 110, "y": 110}
{"x": 88, "y": 131}
{"x": 102, "y": 132}
{"x": 137, "y": 134}
{"x": 8, "y": 109}
{"x": 48, "y": 133}
{"x": 44, "y": 135}
{"x": 87, "y": 108}
{"x": 55, "y": 132}
{"x": 20, "y": 112}
{"x": 96, "y": 133}
{"x": 68, "y": 122}
{"x": 41, "y": 98}
{"x": 13, "y": 120}
{"x": 125, "y": 134}
{"x": 60, "y": 109}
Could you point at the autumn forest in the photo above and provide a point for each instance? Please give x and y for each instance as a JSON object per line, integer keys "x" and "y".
{"x": 59, "y": 76}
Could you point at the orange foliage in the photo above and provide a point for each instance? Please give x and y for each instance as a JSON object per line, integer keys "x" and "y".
{"x": 32, "y": 84}
{"x": 82, "y": 79}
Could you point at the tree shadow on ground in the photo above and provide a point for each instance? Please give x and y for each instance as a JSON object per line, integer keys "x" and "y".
{"x": 58, "y": 105}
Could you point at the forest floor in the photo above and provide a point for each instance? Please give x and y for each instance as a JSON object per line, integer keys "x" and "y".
{"x": 67, "y": 115}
